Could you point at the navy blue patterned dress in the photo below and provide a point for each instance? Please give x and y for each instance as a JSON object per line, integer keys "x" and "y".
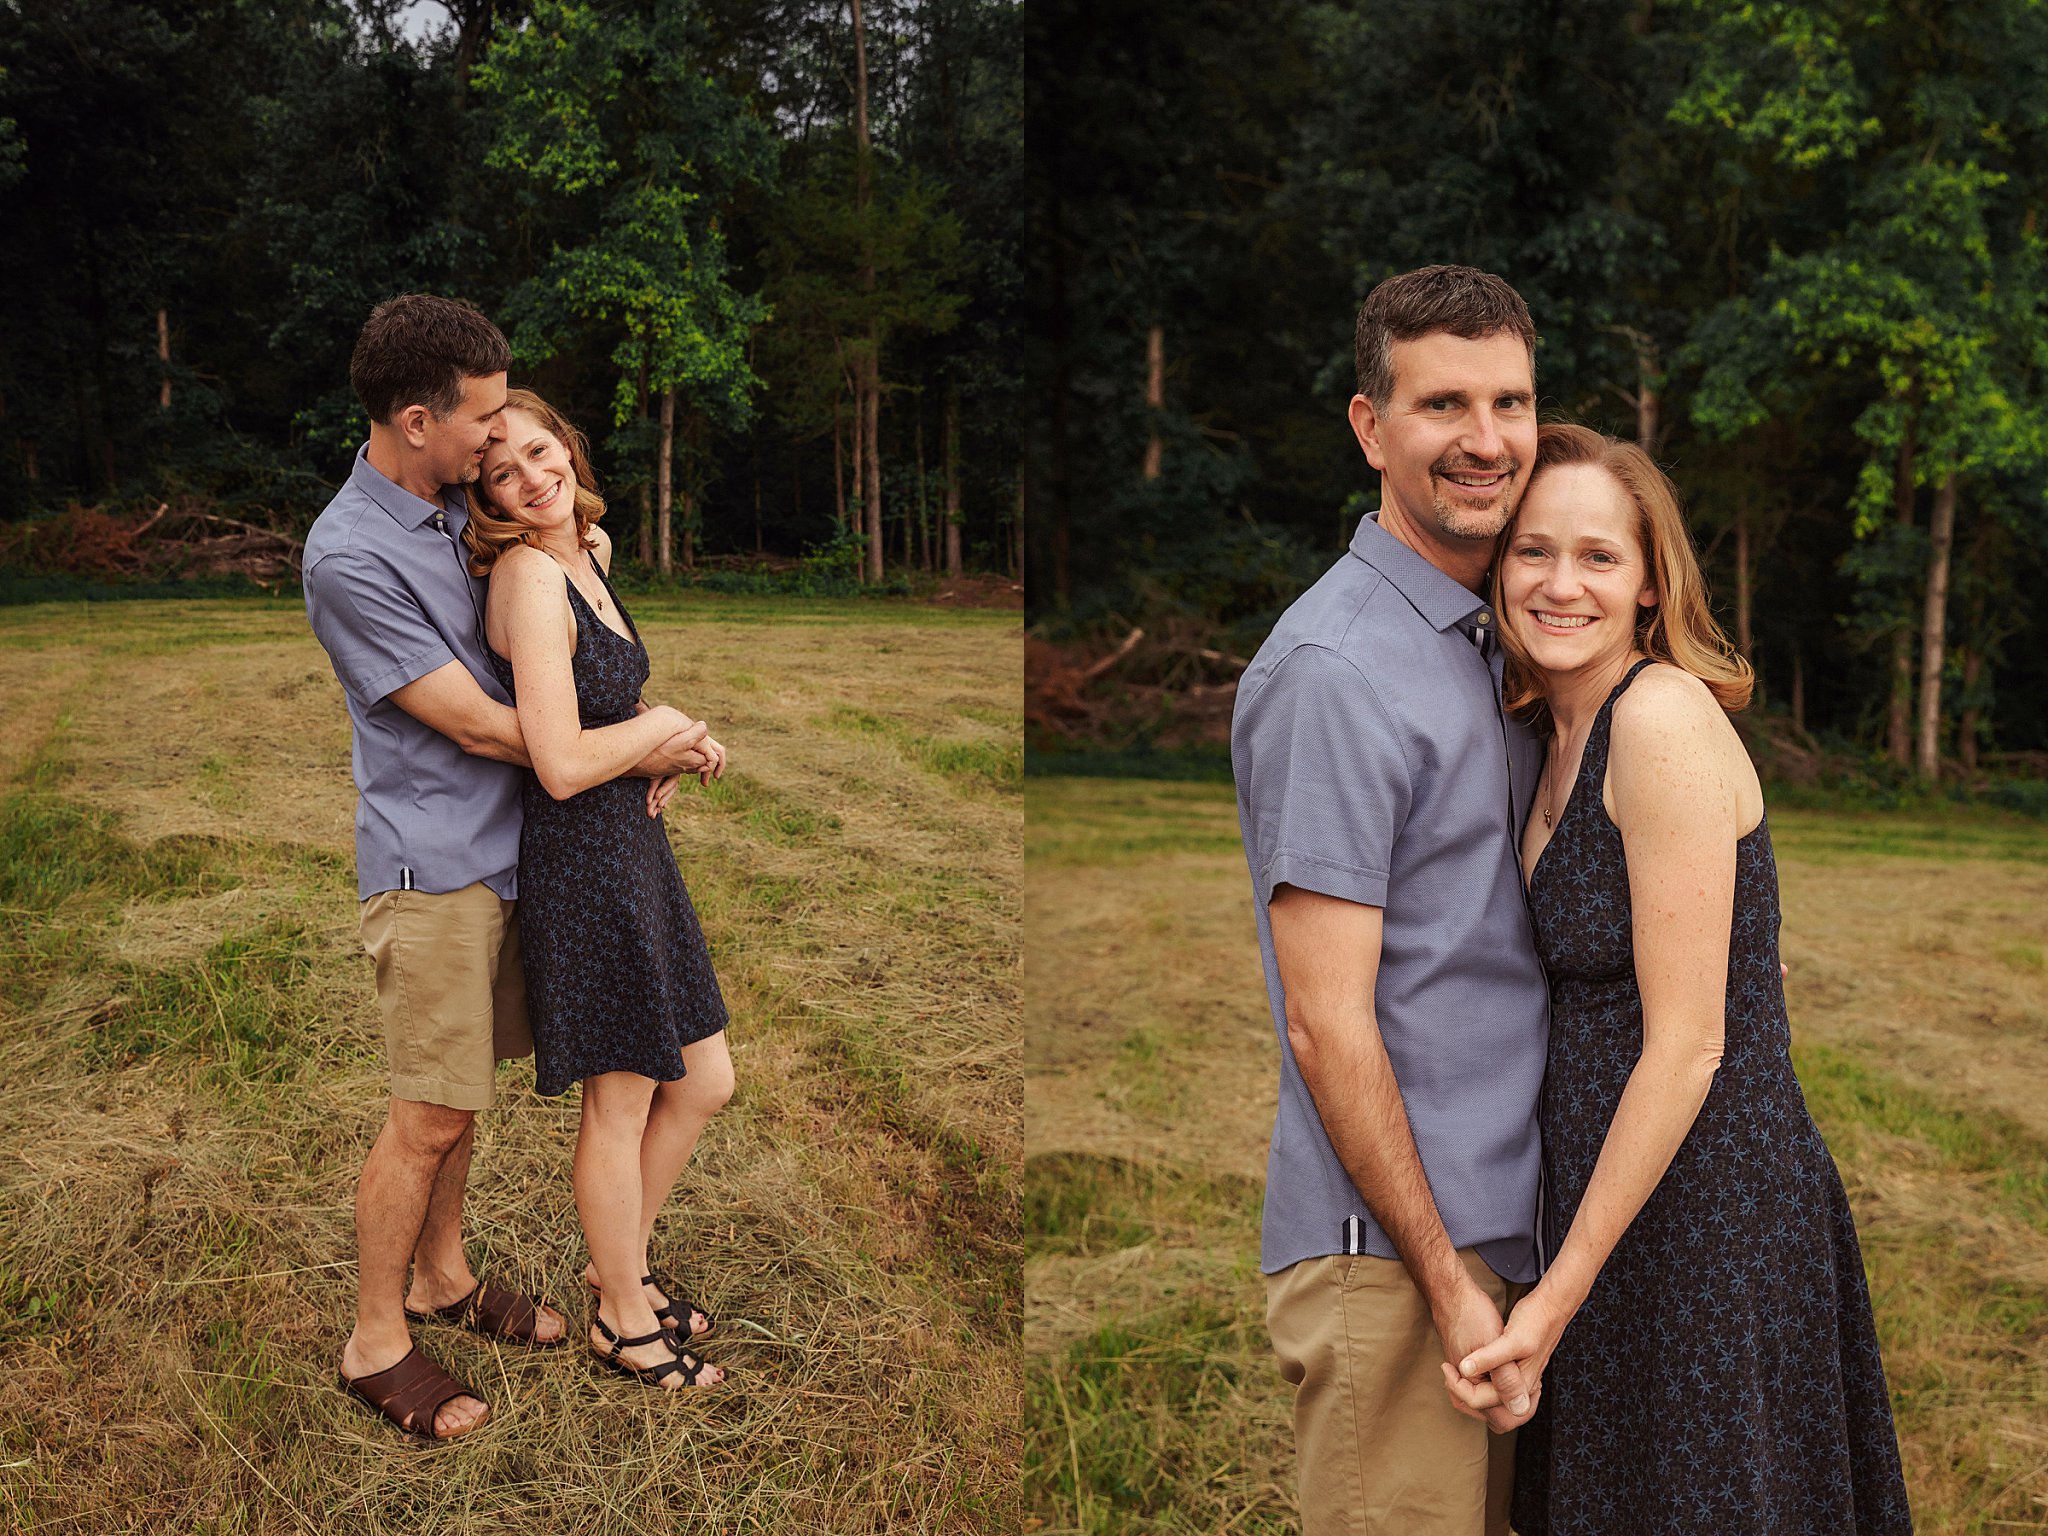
{"x": 1723, "y": 1375}
{"x": 617, "y": 975}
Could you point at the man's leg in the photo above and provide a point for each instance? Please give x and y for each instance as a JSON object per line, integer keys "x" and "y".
{"x": 1382, "y": 1452}
{"x": 392, "y": 1197}
{"x": 440, "y": 1269}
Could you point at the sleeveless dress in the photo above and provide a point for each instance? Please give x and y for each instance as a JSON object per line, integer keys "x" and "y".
{"x": 618, "y": 978}
{"x": 1723, "y": 1375}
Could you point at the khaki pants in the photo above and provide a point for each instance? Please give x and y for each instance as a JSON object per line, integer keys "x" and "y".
{"x": 1382, "y": 1451}
{"x": 451, "y": 989}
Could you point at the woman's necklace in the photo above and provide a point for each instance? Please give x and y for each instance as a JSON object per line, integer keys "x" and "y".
{"x": 595, "y": 602}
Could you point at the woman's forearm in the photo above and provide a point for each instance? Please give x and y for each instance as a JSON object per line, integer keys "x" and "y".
{"x": 1658, "y": 1106}
{"x": 590, "y": 757}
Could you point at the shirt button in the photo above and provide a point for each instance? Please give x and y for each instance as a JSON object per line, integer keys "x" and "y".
{"x": 1484, "y": 617}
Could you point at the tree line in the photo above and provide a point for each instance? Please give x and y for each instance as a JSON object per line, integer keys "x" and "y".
{"x": 765, "y": 252}
{"x": 1794, "y": 249}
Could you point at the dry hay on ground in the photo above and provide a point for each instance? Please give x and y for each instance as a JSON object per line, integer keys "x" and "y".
{"x": 1916, "y": 985}
{"x": 184, "y": 1117}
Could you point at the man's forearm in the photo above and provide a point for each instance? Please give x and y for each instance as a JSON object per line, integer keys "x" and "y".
{"x": 1347, "y": 1071}
{"x": 495, "y": 734}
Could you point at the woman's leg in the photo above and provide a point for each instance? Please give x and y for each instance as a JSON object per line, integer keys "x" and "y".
{"x": 676, "y": 1118}
{"x": 607, "y": 1180}
{"x": 681, "y": 1111}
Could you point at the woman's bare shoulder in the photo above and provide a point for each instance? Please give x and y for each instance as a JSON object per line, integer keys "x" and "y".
{"x": 602, "y": 548}
{"x": 1671, "y": 740}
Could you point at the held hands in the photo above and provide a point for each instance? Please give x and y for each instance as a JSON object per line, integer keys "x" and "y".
{"x": 1470, "y": 1325}
{"x": 1523, "y": 1348}
{"x": 704, "y": 757}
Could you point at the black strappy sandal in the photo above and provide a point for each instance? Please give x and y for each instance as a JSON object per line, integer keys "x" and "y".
{"x": 679, "y": 1321}
{"x": 687, "y": 1363}
{"x": 675, "y": 1313}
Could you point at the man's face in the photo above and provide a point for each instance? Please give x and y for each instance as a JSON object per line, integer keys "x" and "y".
{"x": 455, "y": 444}
{"x": 1455, "y": 439}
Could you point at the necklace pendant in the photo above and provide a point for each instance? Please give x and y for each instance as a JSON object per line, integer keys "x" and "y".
{"x": 1546, "y": 816}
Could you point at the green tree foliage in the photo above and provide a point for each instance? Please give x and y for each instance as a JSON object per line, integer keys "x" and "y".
{"x": 608, "y": 178}
{"x": 1794, "y": 248}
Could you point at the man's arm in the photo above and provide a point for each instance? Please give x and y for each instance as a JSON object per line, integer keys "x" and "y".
{"x": 1328, "y": 952}
{"x": 451, "y": 701}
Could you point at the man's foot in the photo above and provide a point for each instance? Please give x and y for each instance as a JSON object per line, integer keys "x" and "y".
{"x": 656, "y": 1356}
{"x": 453, "y": 1417}
{"x": 669, "y": 1311}
{"x": 431, "y": 1295}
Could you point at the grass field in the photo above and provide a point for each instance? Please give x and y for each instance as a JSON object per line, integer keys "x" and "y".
{"x": 1919, "y": 1004}
{"x": 190, "y": 1074}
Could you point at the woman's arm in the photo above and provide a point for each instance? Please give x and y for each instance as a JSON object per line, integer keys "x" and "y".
{"x": 530, "y": 625}
{"x": 1677, "y": 773}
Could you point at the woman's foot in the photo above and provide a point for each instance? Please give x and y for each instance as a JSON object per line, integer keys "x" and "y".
{"x": 653, "y": 1353}
{"x": 700, "y": 1323}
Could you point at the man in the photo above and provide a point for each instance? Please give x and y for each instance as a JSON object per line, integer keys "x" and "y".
{"x": 437, "y": 754}
{"x": 1380, "y": 790}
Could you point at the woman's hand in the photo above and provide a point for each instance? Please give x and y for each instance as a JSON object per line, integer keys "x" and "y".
{"x": 660, "y": 792}
{"x": 1533, "y": 1329}
{"x": 714, "y": 765}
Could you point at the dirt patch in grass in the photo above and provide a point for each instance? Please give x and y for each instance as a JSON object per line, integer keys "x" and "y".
{"x": 1154, "y": 1404}
{"x": 190, "y": 1073}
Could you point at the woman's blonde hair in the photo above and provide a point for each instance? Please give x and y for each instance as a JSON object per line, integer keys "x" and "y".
{"x": 1678, "y": 628}
{"x": 489, "y": 533}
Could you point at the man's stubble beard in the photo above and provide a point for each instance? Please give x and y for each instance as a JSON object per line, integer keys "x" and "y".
{"x": 1476, "y": 525}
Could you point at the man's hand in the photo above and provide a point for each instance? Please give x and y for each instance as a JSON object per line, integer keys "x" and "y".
{"x": 677, "y": 754}
{"x": 706, "y": 760}
{"x": 1469, "y": 1325}
{"x": 1524, "y": 1346}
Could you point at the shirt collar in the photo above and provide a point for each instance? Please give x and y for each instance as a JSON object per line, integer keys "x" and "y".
{"x": 406, "y": 509}
{"x": 1441, "y": 601}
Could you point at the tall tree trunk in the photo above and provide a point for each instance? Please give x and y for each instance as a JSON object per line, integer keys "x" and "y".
{"x": 1934, "y": 630}
{"x": 951, "y": 451}
{"x": 869, "y": 409}
{"x": 664, "y": 488}
{"x": 871, "y": 461}
{"x": 163, "y": 357}
{"x": 838, "y": 465}
{"x": 646, "y": 486}
{"x": 924, "y": 527}
{"x": 1155, "y": 396}
{"x": 1898, "y": 734}
{"x": 1742, "y": 579}
{"x": 758, "y": 545}
{"x": 1017, "y": 529}
{"x": 1798, "y": 692}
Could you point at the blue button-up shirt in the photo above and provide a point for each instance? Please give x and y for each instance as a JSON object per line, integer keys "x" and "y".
{"x": 390, "y": 597}
{"x": 1374, "y": 764}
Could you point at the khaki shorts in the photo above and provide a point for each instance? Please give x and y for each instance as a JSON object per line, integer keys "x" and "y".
{"x": 1382, "y": 1452}
{"x": 451, "y": 990}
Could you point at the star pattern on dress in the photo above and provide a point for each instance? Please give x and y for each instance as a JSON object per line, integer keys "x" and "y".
{"x": 618, "y": 978}
{"x": 1723, "y": 1375}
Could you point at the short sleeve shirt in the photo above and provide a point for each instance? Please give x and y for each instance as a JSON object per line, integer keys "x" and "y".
{"x": 1375, "y": 764}
{"x": 390, "y": 597}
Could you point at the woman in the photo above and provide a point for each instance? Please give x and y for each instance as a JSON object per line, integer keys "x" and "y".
{"x": 619, "y": 985}
{"x": 1702, "y": 1334}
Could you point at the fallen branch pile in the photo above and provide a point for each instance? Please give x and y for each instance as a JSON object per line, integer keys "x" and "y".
{"x": 1170, "y": 689}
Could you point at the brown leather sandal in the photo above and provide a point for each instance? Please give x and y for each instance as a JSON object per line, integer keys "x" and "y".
{"x": 410, "y": 1393}
{"x": 496, "y": 1313}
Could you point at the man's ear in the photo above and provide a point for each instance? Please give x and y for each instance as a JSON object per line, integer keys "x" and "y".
{"x": 412, "y": 424}
{"x": 1365, "y": 426}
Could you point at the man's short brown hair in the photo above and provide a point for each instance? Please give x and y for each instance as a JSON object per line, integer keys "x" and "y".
{"x": 1456, "y": 301}
{"x": 417, "y": 349}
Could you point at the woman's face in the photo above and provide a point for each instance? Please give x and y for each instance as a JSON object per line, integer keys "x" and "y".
{"x": 527, "y": 475}
{"x": 1574, "y": 573}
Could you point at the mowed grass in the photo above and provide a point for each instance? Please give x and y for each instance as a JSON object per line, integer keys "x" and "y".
{"x": 191, "y": 1071}
{"x": 1920, "y": 1022}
